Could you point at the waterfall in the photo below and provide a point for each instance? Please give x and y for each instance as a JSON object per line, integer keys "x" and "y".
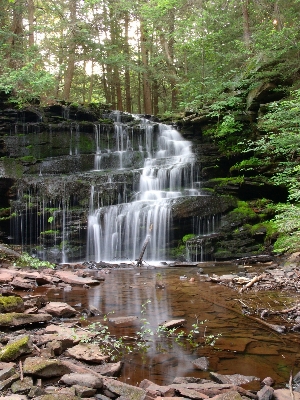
{"x": 117, "y": 232}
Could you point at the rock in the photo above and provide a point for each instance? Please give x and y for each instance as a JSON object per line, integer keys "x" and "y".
{"x": 154, "y": 390}
{"x": 123, "y": 320}
{"x": 11, "y": 304}
{"x": 87, "y": 352}
{"x": 57, "y": 396}
{"x": 268, "y": 381}
{"x": 16, "y": 348}
{"x": 14, "y": 397}
{"x": 109, "y": 369}
{"x": 17, "y": 319}
{"x": 235, "y": 379}
{"x": 83, "y": 391}
{"x": 232, "y": 395}
{"x": 266, "y": 393}
{"x": 59, "y": 309}
{"x": 6, "y": 275}
{"x": 285, "y": 394}
{"x": 174, "y": 323}
{"x": 73, "y": 279}
{"x": 122, "y": 389}
{"x": 44, "y": 368}
{"x": 34, "y": 301}
{"x": 7, "y": 373}
{"x": 22, "y": 387}
{"x": 23, "y": 284}
{"x": 88, "y": 380}
{"x": 201, "y": 363}
{"x": 8, "y": 382}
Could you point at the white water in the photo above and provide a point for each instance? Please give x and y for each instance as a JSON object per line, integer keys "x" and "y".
{"x": 118, "y": 232}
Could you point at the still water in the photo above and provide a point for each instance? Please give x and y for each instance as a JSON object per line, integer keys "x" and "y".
{"x": 245, "y": 346}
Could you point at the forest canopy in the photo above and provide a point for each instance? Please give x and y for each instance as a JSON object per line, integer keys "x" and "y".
{"x": 151, "y": 56}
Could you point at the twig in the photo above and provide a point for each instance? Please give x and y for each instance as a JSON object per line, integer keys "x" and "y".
{"x": 35, "y": 346}
{"x": 291, "y": 386}
{"x": 21, "y": 370}
{"x": 251, "y": 283}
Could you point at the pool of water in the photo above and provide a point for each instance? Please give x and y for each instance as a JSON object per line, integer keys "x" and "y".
{"x": 245, "y": 346}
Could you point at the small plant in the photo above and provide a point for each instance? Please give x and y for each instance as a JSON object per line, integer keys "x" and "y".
{"x": 27, "y": 261}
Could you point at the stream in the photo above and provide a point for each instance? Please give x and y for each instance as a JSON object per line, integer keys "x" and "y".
{"x": 245, "y": 346}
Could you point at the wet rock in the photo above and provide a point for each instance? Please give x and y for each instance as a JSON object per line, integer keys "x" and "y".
{"x": 22, "y": 284}
{"x": 174, "y": 323}
{"x": 154, "y": 390}
{"x": 88, "y": 380}
{"x": 59, "y": 309}
{"x": 201, "y": 363}
{"x": 37, "y": 301}
{"x": 266, "y": 393}
{"x": 123, "y": 320}
{"x": 22, "y": 386}
{"x": 44, "y": 368}
{"x": 17, "y": 319}
{"x": 73, "y": 279}
{"x": 109, "y": 369}
{"x": 11, "y": 304}
{"x": 16, "y": 348}
{"x": 235, "y": 379}
{"x": 87, "y": 352}
{"x": 122, "y": 389}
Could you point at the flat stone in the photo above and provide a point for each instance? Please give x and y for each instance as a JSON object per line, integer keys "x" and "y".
{"x": 73, "y": 279}
{"x": 6, "y": 275}
{"x": 123, "y": 320}
{"x": 44, "y": 368}
{"x": 235, "y": 379}
{"x": 22, "y": 283}
{"x": 232, "y": 395}
{"x": 83, "y": 391}
{"x": 8, "y": 382}
{"x": 174, "y": 323}
{"x": 16, "y": 348}
{"x": 87, "y": 352}
{"x": 22, "y": 387}
{"x": 192, "y": 394}
{"x": 17, "y": 319}
{"x": 88, "y": 380}
{"x": 122, "y": 389}
{"x": 7, "y": 373}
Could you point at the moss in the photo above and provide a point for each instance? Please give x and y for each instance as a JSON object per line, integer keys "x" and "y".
{"x": 7, "y": 303}
{"x": 13, "y": 350}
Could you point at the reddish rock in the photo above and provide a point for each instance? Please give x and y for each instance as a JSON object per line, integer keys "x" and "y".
{"x": 88, "y": 380}
{"x": 73, "y": 279}
{"x": 59, "y": 309}
{"x": 174, "y": 323}
{"x": 87, "y": 352}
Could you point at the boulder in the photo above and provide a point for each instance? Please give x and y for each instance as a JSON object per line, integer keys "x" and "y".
{"x": 17, "y": 319}
{"x": 59, "y": 309}
{"x": 44, "y": 368}
{"x": 88, "y": 380}
{"x": 11, "y": 304}
{"x": 88, "y": 353}
{"x": 16, "y": 348}
{"x": 122, "y": 389}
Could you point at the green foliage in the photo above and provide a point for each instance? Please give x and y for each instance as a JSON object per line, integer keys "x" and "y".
{"x": 287, "y": 222}
{"x": 27, "y": 261}
{"x": 27, "y": 83}
{"x": 251, "y": 164}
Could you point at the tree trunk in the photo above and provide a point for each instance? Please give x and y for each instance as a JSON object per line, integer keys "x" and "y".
{"x": 31, "y": 22}
{"x": 246, "y": 23}
{"x": 128, "y": 106}
{"x": 69, "y": 74}
{"x": 146, "y": 79}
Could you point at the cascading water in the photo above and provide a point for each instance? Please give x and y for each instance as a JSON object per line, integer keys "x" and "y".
{"x": 118, "y": 232}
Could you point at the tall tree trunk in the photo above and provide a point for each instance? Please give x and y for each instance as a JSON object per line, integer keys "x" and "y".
{"x": 17, "y": 30}
{"x": 69, "y": 74}
{"x": 146, "y": 79}
{"x": 128, "y": 106}
{"x": 31, "y": 22}
{"x": 91, "y": 88}
{"x": 246, "y": 23}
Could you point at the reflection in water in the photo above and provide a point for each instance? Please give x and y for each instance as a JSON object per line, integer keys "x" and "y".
{"x": 246, "y": 347}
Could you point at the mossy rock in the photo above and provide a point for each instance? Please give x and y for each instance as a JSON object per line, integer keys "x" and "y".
{"x": 44, "y": 368}
{"x": 17, "y": 319}
{"x": 11, "y": 303}
{"x": 15, "y": 349}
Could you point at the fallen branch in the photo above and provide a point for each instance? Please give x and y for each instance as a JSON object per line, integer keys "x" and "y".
{"x": 251, "y": 283}
{"x": 291, "y": 386}
{"x": 21, "y": 371}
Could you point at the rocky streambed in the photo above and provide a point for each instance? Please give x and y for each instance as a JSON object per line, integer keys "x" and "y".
{"x": 48, "y": 351}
